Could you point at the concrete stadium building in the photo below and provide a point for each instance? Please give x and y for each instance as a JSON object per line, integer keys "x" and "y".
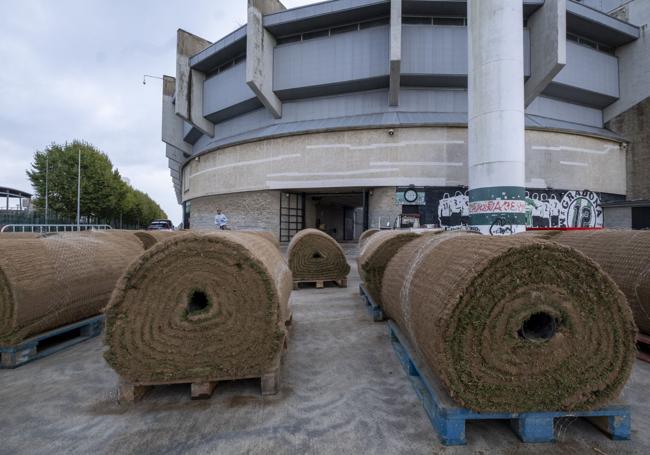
{"x": 347, "y": 114}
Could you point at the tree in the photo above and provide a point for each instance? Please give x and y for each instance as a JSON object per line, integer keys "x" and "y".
{"x": 105, "y": 196}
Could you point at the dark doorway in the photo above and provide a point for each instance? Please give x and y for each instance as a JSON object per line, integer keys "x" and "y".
{"x": 640, "y": 217}
{"x": 341, "y": 215}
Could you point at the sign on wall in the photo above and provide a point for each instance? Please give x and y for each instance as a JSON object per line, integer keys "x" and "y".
{"x": 544, "y": 208}
{"x": 410, "y": 196}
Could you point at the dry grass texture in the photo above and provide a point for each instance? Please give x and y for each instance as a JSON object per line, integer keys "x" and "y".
{"x": 314, "y": 255}
{"x": 199, "y": 306}
{"x": 50, "y": 281}
{"x": 480, "y": 311}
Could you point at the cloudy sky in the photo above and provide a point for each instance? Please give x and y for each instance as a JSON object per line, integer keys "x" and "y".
{"x": 72, "y": 69}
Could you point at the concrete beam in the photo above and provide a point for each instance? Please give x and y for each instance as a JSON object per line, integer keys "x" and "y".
{"x": 395, "y": 67}
{"x": 172, "y": 125}
{"x": 189, "y": 82}
{"x": 547, "y": 47}
{"x": 259, "y": 54}
{"x": 174, "y": 166}
{"x": 175, "y": 154}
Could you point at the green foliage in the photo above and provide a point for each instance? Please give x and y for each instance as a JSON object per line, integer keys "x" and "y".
{"x": 105, "y": 196}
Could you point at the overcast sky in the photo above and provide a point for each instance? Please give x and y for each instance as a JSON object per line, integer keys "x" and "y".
{"x": 72, "y": 69}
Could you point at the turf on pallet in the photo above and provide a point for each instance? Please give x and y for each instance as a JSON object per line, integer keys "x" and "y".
{"x": 373, "y": 309}
{"x": 449, "y": 420}
{"x": 50, "y": 342}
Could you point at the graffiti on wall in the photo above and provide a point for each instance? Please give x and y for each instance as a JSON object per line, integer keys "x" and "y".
{"x": 544, "y": 208}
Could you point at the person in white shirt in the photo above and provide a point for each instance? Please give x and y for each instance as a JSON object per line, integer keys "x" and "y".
{"x": 221, "y": 220}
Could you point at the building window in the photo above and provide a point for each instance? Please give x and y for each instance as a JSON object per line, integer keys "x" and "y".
{"x": 328, "y": 32}
{"x": 590, "y": 43}
{"x": 435, "y": 20}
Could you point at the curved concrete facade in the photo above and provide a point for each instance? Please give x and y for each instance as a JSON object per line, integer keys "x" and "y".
{"x": 301, "y": 101}
{"x": 424, "y": 156}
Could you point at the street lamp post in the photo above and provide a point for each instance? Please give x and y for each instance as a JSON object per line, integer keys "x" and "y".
{"x": 47, "y": 172}
{"x": 78, "y": 191}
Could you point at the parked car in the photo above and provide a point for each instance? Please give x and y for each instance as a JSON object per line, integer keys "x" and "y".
{"x": 161, "y": 225}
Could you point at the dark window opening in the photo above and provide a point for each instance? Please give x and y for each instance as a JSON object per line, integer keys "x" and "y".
{"x": 315, "y": 34}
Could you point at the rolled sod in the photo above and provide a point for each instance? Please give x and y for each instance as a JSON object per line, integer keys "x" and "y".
{"x": 150, "y": 238}
{"x": 365, "y": 235}
{"x": 58, "y": 279}
{"x": 267, "y": 235}
{"x": 197, "y": 307}
{"x": 315, "y": 256}
{"x": 374, "y": 257}
{"x": 625, "y": 256}
{"x": 512, "y": 324}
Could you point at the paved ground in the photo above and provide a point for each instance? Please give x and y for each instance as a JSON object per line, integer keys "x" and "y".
{"x": 343, "y": 392}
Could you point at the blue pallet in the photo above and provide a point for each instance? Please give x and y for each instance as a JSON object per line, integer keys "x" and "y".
{"x": 34, "y": 348}
{"x": 448, "y": 419}
{"x": 373, "y": 309}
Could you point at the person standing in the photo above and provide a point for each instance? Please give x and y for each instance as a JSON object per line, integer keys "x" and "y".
{"x": 221, "y": 221}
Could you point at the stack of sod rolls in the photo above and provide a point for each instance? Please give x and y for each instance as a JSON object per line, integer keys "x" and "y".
{"x": 624, "y": 255}
{"x": 315, "y": 256}
{"x": 49, "y": 281}
{"x": 199, "y": 307}
{"x": 365, "y": 235}
{"x": 512, "y": 324}
{"x": 375, "y": 255}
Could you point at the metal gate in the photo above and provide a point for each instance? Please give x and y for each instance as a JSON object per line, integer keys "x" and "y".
{"x": 292, "y": 215}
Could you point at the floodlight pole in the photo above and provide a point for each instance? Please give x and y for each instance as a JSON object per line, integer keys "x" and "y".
{"x": 78, "y": 191}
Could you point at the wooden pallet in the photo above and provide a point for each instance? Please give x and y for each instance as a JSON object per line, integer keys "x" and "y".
{"x": 448, "y": 419}
{"x": 50, "y": 342}
{"x": 342, "y": 283}
{"x": 200, "y": 390}
{"x": 643, "y": 344}
{"x": 373, "y": 309}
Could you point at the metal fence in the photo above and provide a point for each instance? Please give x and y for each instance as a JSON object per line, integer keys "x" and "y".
{"x": 44, "y": 228}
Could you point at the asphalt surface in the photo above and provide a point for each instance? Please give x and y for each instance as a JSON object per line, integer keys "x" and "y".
{"x": 343, "y": 391}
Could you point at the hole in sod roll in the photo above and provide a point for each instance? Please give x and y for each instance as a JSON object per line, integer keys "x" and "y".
{"x": 317, "y": 255}
{"x": 538, "y": 327}
{"x": 198, "y": 302}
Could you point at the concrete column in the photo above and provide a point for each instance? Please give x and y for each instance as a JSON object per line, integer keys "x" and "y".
{"x": 189, "y": 82}
{"x": 259, "y": 54}
{"x": 496, "y": 135}
{"x": 547, "y": 47}
{"x": 395, "y": 67}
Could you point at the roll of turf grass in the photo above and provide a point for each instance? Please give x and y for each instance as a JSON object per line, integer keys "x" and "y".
{"x": 624, "y": 255}
{"x": 197, "y": 307}
{"x": 314, "y": 255}
{"x": 512, "y": 324}
{"x": 57, "y": 279}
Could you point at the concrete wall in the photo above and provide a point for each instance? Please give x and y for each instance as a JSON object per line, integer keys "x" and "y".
{"x": 421, "y": 156}
{"x": 356, "y": 61}
{"x": 589, "y": 69}
{"x": 634, "y": 60}
{"x": 258, "y": 210}
{"x": 226, "y": 89}
{"x": 382, "y": 207}
{"x": 434, "y": 50}
{"x": 331, "y": 60}
{"x": 368, "y": 109}
{"x": 634, "y": 125}
{"x": 617, "y": 217}
{"x": 568, "y": 112}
